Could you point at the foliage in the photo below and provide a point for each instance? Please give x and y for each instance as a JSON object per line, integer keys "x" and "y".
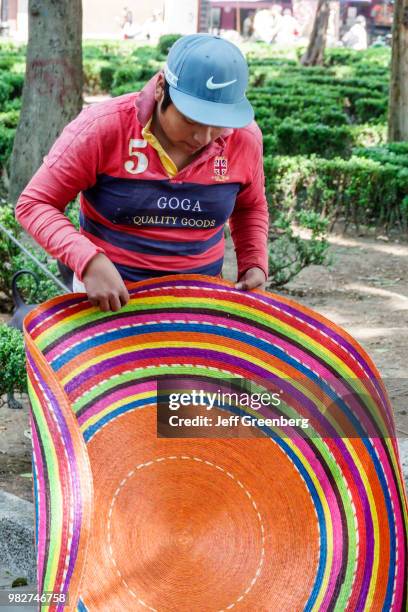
{"x": 166, "y": 42}
{"x": 6, "y": 144}
{"x": 12, "y": 361}
{"x": 13, "y": 259}
{"x": 47, "y": 288}
{"x": 289, "y": 253}
{"x": 8, "y": 250}
{"x": 72, "y": 212}
{"x": 359, "y": 191}
{"x": 297, "y": 138}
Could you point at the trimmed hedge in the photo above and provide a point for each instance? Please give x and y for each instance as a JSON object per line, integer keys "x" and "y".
{"x": 357, "y": 190}
{"x": 294, "y": 138}
{"x": 166, "y": 42}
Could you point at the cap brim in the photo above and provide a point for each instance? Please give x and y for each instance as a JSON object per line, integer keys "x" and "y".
{"x": 212, "y": 113}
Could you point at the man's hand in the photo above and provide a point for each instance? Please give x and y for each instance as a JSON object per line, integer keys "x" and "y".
{"x": 104, "y": 284}
{"x": 254, "y": 278}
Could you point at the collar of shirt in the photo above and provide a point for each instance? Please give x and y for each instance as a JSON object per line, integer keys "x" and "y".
{"x": 168, "y": 163}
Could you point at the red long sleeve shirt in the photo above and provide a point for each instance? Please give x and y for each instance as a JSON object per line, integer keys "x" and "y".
{"x": 147, "y": 223}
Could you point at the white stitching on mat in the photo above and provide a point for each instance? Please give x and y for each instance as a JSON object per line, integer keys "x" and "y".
{"x": 229, "y": 475}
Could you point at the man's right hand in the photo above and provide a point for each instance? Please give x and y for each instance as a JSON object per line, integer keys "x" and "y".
{"x": 104, "y": 285}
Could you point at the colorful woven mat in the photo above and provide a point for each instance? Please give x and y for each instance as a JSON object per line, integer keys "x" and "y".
{"x": 281, "y": 519}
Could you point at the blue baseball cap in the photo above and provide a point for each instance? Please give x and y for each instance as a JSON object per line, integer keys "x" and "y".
{"x": 207, "y": 79}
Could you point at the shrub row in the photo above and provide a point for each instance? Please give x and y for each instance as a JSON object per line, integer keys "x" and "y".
{"x": 357, "y": 190}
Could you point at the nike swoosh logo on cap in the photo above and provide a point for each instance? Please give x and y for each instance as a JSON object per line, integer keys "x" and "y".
{"x": 211, "y": 85}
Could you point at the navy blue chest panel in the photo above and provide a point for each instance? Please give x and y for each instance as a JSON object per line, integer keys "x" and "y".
{"x": 136, "y": 202}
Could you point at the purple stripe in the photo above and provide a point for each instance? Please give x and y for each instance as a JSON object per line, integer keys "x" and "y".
{"x": 52, "y": 310}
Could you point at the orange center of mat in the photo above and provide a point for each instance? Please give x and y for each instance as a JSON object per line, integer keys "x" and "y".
{"x": 192, "y": 510}
{"x": 194, "y": 525}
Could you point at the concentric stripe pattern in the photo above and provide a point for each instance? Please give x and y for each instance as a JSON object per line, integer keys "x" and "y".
{"x": 87, "y": 367}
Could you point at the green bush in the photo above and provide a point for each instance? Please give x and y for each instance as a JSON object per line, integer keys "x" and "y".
{"x": 72, "y": 212}
{"x": 144, "y": 54}
{"x": 6, "y": 144}
{"x": 289, "y": 253}
{"x": 131, "y": 73}
{"x": 92, "y": 77}
{"x": 7, "y": 62}
{"x": 366, "y": 135}
{"x": 358, "y": 191}
{"x": 106, "y": 77}
{"x": 5, "y": 90}
{"x": 12, "y": 361}
{"x": 388, "y": 154}
{"x": 302, "y": 139}
{"x": 15, "y": 82}
{"x": 127, "y": 88}
{"x": 9, "y": 119}
{"x": 12, "y": 105}
{"x": 400, "y": 148}
{"x": 370, "y": 109}
{"x": 8, "y": 249}
{"x": 47, "y": 288}
{"x": 13, "y": 259}
{"x": 166, "y": 42}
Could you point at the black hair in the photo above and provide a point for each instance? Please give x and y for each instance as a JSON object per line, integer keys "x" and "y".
{"x": 166, "y": 102}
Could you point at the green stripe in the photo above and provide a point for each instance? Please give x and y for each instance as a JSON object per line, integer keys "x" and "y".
{"x": 55, "y": 519}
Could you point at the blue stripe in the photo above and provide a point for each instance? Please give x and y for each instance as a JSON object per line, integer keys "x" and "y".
{"x": 139, "y": 244}
{"x": 136, "y": 274}
{"x": 122, "y": 200}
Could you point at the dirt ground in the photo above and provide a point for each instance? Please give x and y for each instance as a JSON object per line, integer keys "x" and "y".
{"x": 364, "y": 290}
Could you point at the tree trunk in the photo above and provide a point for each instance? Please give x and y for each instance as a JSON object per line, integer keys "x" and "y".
{"x": 314, "y": 54}
{"x": 52, "y": 93}
{"x": 398, "y": 98}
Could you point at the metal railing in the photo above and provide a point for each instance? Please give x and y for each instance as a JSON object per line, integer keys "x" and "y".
{"x": 34, "y": 258}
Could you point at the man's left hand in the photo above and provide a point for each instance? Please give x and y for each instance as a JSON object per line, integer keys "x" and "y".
{"x": 254, "y": 278}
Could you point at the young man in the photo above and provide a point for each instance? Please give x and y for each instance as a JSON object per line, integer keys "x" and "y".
{"x": 160, "y": 172}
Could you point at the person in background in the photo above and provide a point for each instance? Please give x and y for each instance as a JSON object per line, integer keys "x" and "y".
{"x": 126, "y": 23}
{"x": 356, "y": 38}
{"x": 277, "y": 16}
{"x": 263, "y": 25}
{"x": 248, "y": 26}
{"x": 153, "y": 27}
{"x": 288, "y": 29}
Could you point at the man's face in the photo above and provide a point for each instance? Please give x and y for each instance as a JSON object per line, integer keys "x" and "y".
{"x": 181, "y": 132}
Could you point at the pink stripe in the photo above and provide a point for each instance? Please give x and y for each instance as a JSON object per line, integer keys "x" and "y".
{"x": 110, "y": 398}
